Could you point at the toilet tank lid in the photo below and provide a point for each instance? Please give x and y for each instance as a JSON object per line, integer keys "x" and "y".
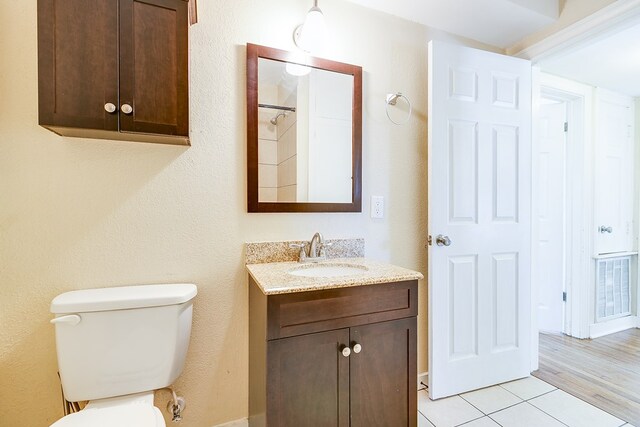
{"x": 123, "y": 297}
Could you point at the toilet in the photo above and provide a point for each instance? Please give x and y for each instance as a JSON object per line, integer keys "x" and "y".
{"x": 116, "y": 346}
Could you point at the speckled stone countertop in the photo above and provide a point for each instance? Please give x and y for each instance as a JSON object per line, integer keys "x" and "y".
{"x": 274, "y": 278}
{"x": 261, "y": 252}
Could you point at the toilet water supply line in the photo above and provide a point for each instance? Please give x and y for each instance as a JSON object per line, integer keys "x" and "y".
{"x": 68, "y": 407}
{"x": 175, "y": 406}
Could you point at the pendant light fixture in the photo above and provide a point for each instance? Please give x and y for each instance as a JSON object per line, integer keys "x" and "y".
{"x": 309, "y": 36}
{"x": 296, "y": 65}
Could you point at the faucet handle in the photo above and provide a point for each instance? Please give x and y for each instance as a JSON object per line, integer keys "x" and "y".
{"x": 322, "y": 246}
{"x": 302, "y": 247}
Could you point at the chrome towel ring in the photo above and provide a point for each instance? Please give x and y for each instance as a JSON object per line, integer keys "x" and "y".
{"x": 392, "y": 99}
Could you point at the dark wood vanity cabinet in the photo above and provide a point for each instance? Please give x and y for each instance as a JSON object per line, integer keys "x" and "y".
{"x": 301, "y": 375}
{"x": 114, "y": 69}
{"x": 308, "y": 381}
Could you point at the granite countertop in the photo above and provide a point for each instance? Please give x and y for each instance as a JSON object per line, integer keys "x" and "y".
{"x": 274, "y": 278}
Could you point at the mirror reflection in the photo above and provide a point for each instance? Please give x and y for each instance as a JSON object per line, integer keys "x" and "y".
{"x": 304, "y": 133}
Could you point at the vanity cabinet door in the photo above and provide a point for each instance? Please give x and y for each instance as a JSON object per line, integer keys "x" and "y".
{"x": 77, "y": 64}
{"x": 153, "y": 67}
{"x": 308, "y": 381}
{"x": 383, "y": 374}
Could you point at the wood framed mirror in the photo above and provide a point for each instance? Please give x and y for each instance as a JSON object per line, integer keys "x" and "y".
{"x": 304, "y": 133}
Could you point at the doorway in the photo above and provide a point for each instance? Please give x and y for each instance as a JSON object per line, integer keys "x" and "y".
{"x": 563, "y": 242}
{"x": 562, "y": 208}
{"x": 587, "y": 356}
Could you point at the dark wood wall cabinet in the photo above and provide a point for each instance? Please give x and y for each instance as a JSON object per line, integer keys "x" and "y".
{"x": 339, "y": 357}
{"x": 114, "y": 69}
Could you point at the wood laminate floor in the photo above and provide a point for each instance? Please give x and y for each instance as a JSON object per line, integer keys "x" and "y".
{"x": 604, "y": 371}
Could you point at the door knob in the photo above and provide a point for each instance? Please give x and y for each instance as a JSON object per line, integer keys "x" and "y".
{"x": 442, "y": 240}
{"x": 109, "y": 107}
{"x": 126, "y": 108}
{"x": 357, "y": 348}
{"x": 605, "y": 229}
{"x": 346, "y": 351}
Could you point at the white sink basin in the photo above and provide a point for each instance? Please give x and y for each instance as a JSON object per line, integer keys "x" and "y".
{"x": 328, "y": 270}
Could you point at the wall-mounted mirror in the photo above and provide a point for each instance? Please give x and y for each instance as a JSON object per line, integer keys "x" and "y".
{"x": 304, "y": 137}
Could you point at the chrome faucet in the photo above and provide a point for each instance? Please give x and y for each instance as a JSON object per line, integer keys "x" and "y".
{"x": 316, "y": 249}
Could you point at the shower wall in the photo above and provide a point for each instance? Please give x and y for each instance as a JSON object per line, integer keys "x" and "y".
{"x": 277, "y": 151}
{"x": 267, "y": 146}
{"x": 287, "y": 150}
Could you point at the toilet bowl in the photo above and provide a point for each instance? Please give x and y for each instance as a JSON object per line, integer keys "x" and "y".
{"x": 135, "y": 410}
{"x": 115, "y": 346}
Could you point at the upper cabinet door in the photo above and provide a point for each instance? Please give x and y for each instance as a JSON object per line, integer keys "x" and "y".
{"x": 154, "y": 67}
{"x": 78, "y": 63}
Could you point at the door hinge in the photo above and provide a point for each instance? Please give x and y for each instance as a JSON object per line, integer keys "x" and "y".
{"x": 564, "y": 297}
{"x": 566, "y": 126}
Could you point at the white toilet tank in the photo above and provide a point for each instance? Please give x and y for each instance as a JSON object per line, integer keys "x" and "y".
{"x": 117, "y": 341}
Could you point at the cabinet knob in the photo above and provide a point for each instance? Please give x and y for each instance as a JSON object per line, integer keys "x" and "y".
{"x": 126, "y": 108}
{"x": 109, "y": 107}
{"x": 357, "y": 348}
{"x": 346, "y": 351}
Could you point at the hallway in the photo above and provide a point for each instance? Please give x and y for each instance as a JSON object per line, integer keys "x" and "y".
{"x": 604, "y": 372}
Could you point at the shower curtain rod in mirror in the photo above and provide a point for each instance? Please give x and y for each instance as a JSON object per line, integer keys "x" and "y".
{"x": 277, "y": 107}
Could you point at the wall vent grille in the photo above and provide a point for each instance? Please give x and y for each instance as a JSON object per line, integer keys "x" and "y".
{"x": 613, "y": 290}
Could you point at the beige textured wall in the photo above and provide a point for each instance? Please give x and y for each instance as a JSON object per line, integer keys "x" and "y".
{"x": 80, "y": 213}
{"x": 572, "y": 12}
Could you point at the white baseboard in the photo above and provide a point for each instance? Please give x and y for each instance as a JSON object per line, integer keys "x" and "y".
{"x": 244, "y": 422}
{"x": 612, "y": 326}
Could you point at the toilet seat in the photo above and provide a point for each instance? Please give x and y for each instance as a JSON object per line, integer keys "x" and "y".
{"x": 125, "y": 411}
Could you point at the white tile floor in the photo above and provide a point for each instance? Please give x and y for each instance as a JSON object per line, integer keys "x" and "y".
{"x": 529, "y": 402}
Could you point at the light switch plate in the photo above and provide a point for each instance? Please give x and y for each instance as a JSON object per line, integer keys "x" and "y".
{"x": 377, "y": 207}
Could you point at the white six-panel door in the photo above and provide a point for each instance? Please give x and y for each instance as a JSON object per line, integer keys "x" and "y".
{"x": 480, "y": 200}
{"x": 551, "y": 196}
{"x": 614, "y": 172}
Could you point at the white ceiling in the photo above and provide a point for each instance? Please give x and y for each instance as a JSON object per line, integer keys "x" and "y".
{"x": 500, "y": 23}
{"x": 612, "y": 63}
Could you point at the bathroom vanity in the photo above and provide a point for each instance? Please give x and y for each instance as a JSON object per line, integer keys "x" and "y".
{"x": 332, "y": 344}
